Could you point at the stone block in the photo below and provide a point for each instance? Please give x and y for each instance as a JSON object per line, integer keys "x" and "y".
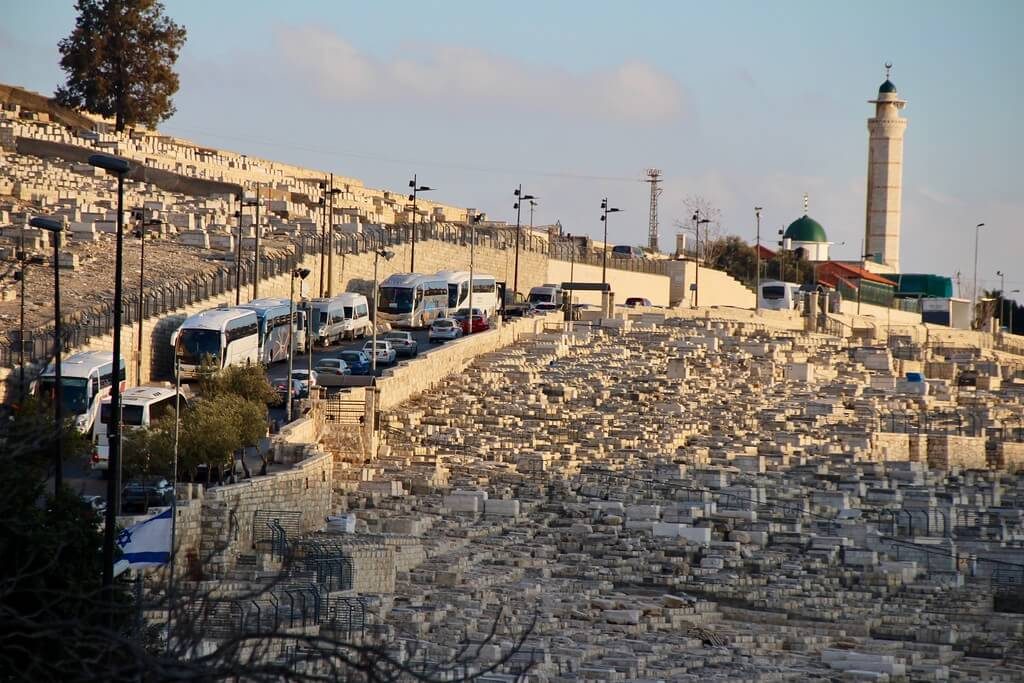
{"x": 502, "y": 508}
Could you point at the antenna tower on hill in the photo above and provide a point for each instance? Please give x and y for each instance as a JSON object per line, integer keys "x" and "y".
{"x": 654, "y": 179}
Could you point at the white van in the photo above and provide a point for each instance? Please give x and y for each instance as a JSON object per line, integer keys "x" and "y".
{"x": 344, "y": 316}
{"x": 140, "y": 407}
{"x": 546, "y": 297}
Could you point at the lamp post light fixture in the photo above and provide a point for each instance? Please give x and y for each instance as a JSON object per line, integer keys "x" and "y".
{"x": 757, "y": 278}
{"x": 387, "y": 255}
{"x": 119, "y": 167}
{"x": 416, "y": 189}
{"x": 302, "y": 274}
{"x": 55, "y": 227}
{"x": 974, "y": 290}
{"x": 141, "y": 233}
{"x": 518, "y": 206}
{"x": 532, "y": 205}
{"x": 604, "y": 250}
{"x": 697, "y": 222}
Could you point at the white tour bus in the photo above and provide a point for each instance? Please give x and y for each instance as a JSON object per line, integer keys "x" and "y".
{"x": 140, "y": 407}
{"x": 485, "y": 291}
{"x": 86, "y": 379}
{"x": 272, "y": 315}
{"x": 226, "y": 336}
{"x": 778, "y": 296}
{"x": 412, "y": 299}
{"x": 345, "y": 315}
{"x": 546, "y": 297}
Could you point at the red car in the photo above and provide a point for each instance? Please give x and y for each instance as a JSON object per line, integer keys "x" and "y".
{"x": 480, "y": 323}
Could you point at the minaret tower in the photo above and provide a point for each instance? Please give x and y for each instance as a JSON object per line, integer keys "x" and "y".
{"x": 885, "y": 179}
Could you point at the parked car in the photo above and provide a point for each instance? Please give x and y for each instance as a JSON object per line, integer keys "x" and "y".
{"x": 638, "y": 301}
{"x": 300, "y": 384}
{"x": 141, "y": 495}
{"x": 385, "y": 351}
{"x": 480, "y": 323}
{"x": 357, "y": 361}
{"x": 330, "y": 371}
{"x": 95, "y": 503}
{"x": 403, "y": 342}
{"x": 444, "y": 329}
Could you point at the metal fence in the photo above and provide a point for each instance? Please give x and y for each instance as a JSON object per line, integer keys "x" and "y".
{"x": 572, "y": 251}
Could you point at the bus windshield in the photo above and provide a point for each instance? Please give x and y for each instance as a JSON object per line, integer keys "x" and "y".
{"x": 773, "y": 292}
{"x": 396, "y": 299}
{"x": 74, "y": 394}
{"x": 194, "y": 345}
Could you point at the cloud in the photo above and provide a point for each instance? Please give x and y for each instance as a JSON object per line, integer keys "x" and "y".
{"x": 452, "y": 76}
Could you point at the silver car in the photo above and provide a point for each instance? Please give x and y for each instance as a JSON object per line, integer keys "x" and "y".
{"x": 444, "y": 329}
{"x": 385, "y": 351}
{"x": 330, "y": 371}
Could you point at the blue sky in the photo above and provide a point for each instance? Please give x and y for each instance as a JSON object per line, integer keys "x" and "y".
{"x": 742, "y": 103}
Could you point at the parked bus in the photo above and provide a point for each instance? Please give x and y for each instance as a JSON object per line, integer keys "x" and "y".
{"x": 86, "y": 379}
{"x": 778, "y": 296}
{"x": 412, "y": 299}
{"x": 140, "y": 407}
{"x": 485, "y": 291}
{"x": 272, "y": 315}
{"x": 224, "y": 336}
{"x": 344, "y": 316}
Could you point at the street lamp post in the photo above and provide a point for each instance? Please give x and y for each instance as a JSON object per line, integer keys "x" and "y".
{"x": 302, "y": 274}
{"x": 119, "y": 167}
{"x": 256, "y": 246}
{"x": 532, "y": 204}
{"x": 473, "y": 220}
{"x": 604, "y": 250}
{"x": 141, "y": 234}
{"x": 377, "y": 254}
{"x": 416, "y": 189}
{"x": 330, "y": 236}
{"x": 974, "y": 290}
{"x": 238, "y": 251}
{"x": 697, "y": 222}
{"x": 757, "y": 279}
{"x": 56, "y": 227}
{"x": 520, "y": 198}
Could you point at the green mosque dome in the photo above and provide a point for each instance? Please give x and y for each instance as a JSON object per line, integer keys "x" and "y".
{"x": 805, "y": 229}
{"x": 887, "y": 87}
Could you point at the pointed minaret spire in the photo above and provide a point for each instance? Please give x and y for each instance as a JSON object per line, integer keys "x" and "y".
{"x": 888, "y": 68}
{"x": 805, "y": 203}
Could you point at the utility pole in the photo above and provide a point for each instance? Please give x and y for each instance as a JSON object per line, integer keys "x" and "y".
{"x": 757, "y": 279}
{"x": 518, "y": 206}
{"x": 256, "y": 280}
{"x": 654, "y": 180}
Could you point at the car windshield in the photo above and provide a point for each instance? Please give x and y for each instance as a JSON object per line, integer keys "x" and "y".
{"x": 401, "y": 336}
{"x": 195, "y": 345}
{"x": 348, "y": 312}
{"x": 396, "y": 299}
{"x": 442, "y": 323}
{"x": 74, "y": 394}
{"x": 351, "y": 356}
{"x": 328, "y": 364}
{"x": 539, "y": 298}
{"x": 299, "y": 374}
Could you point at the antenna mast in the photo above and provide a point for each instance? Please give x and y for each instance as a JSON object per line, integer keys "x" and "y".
{"x": 654, "y": 179}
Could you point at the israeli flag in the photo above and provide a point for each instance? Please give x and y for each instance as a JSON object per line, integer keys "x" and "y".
{"x": 148, "y": 543}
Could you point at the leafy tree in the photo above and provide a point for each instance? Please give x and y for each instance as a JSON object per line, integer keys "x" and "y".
{"x": 249, "y": 381}
{"x": 735, "y": 257}
{"x": 119, "y": 61}
{"x": 148, "y": 453}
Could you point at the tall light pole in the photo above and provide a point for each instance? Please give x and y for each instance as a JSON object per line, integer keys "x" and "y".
{"x": 757, "y": 279}
{"x": 302, "y": 274}
{"x": 377, "y": 254}
{"x": 256, "y": 247}
{"x": 473, "y": 220}
{"x": 119, "y": 167}
{"x": 332, "y": 190}
{"x": 141, "y": 234}
{"x": 416, "y": 189}
{"x": 520, "y": 198}
{"x": 532, "y": 204}
{"x": 238, "y": 249}
{"x": 604, "y": 250}
{"x": 974, "y": 290}
{"x": 697, "y": 222}
{"x": 1002, "y": 295}
{"x": 55, "y": 227}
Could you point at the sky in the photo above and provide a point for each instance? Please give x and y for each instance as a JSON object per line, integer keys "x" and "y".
{"x": 739, "y": 103}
